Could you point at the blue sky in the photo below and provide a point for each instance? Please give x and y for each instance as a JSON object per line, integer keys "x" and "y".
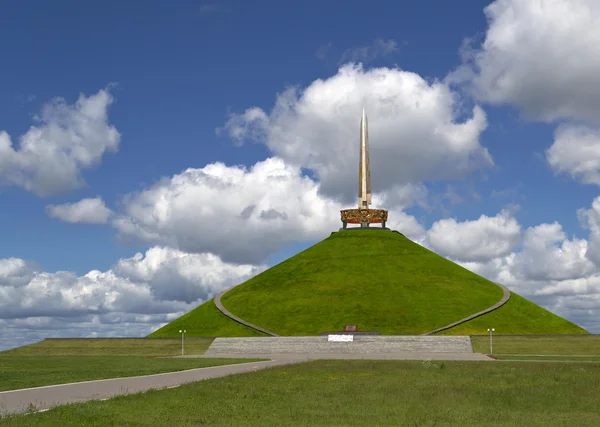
{"x": 178, "y": 71}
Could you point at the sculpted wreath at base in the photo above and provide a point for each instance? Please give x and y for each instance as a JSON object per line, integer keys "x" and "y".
{"x": 358, "y": 216}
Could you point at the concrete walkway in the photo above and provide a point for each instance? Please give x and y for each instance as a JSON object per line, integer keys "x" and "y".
{"x": 18, "y": 401}
{"x": 504, "y": 300}
{"x": 232, "y": 316}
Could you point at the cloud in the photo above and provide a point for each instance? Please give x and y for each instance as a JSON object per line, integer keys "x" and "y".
{"x": 542, "y": 263}
{"x": 67, "y": 139}
{"x": 481, "y": 239}
{"x": 590, "y": 220}
{"x": 86, "y": 211}
{"x": 576, "y": 151}
{"x": 541, "y": 56}
{"x": 368, "y": 53}
{"x": 16, "y": 272}
{"x": 413, "y": 130}
{"x": 323, "y": 51}
{"x": 242, "y": 215}
{"x": 549, "y": 255}
{"x": 546, "y": 255}
{"x": 18, "y": 332}
{"x": 146, "y": 289}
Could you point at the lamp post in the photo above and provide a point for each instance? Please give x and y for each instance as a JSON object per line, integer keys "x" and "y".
{"x": 182, "y": 334}
{"x": 491, "y": 331}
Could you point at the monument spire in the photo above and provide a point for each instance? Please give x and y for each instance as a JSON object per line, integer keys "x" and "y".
{"x": 364, "y": 170}
{"x": 364, "y": 215}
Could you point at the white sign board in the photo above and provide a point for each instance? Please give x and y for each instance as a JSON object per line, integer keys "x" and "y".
{"x": 340, "y": 338}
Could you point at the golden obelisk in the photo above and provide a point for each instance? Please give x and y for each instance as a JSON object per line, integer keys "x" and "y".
{"x": 364, "y": 215}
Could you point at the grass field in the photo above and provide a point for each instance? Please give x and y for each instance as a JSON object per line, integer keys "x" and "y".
{"x": 573, "y": 358}
{"x": 59, "y": 361}
{"x": 33, "y": 371}
{"x": 567, "y": 345}
{"x": 112, "y": 347}
{"x": 359, "y": 393}
{"x": 517, "y": 316}
{"x": 205, "y": 320}
{"x": 378, "y": 280}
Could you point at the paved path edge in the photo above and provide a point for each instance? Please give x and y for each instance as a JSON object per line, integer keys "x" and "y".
{"x": 15, "y": 402}
{"x": 232, "y": 316}
{"x": 503, "y": 300}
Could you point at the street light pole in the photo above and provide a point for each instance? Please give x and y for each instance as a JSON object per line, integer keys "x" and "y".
{"x": 490, "y": 331}
{"x": 182, "y": 334}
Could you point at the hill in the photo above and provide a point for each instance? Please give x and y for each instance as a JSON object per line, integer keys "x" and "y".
{"x": 204, "y": 321}
{"x": 376, "y": 279}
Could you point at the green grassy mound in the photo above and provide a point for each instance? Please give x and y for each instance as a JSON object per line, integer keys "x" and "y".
{"x": 203, "y": 321}
{"x": 379, "y": 280}
{"x": 517, "y": 316}
{"x": 376, "y": 279}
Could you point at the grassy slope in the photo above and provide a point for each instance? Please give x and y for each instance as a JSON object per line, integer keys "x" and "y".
{"x": 376, "y": 279}
{"x": 203, "y": 321}
{"x": 111, "y": 347}
{"x": 581, "y": 345}
{"x": 517, "y": 316}
{"x": 358, "y": 393}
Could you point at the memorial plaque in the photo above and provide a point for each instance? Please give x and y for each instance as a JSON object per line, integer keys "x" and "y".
{"x": 340, "y": 338}
{"x": 350, "y": 328}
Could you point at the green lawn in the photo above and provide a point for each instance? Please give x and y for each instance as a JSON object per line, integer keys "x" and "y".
{"x": 205, "y": 320}
{"x": 33, "y": 371}
{"x": 582, "y": 345}
{"x": 561, "y": 358}
{"x": 112, "y": 347}
{"x": 359, "y": 393}
{"x": 517, "y": 316}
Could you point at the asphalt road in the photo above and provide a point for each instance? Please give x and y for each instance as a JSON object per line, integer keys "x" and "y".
{"x": 43, "y": 398}
{"x": 18, "y": 401}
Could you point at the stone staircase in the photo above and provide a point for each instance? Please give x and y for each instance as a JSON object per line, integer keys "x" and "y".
{"x": 364, "y": 344}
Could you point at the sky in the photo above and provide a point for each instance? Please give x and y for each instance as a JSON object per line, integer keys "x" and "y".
{"x": 152, "y": 157}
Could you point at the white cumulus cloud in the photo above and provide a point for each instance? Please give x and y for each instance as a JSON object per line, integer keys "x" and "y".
{"x": 242, "y": 215}
{"x": 239, "y": 214}
{"x": 548, "y": 254}
{"x": 542, "y": 56}
{"x": 576, "y": 151}
{"x": 146, "y": 290}
{"x": 414, "y": 132}
{"x": 481, "y": 239}
{"x": 16, "y": 272}
{"x": 87, "y": 211}
{"x": 66, "y": 140}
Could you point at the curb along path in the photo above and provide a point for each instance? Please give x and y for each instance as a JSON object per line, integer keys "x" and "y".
{"x": 232, "y": 316}
{"x": 504, "y": 300}
{"x": 45, "y": 397}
